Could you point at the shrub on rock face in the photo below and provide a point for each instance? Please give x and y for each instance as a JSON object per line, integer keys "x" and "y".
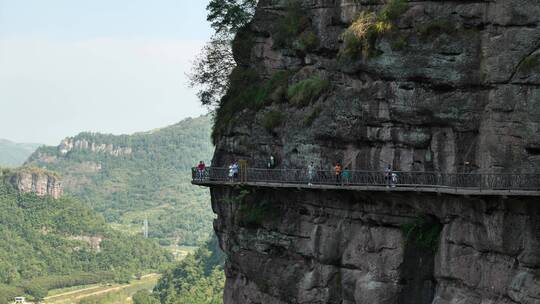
{"x": 306, "y": 91}
{"x": 291, "y": 25}
{"x": 308, "y": 41}
{"x": 360, "y": 37}
{"x": 423, "y": 232}
{"x": 393, "y": 9}
{"x": 272, "y": 120}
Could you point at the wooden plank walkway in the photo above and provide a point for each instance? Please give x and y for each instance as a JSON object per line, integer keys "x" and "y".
{"x": 375, "y": 188}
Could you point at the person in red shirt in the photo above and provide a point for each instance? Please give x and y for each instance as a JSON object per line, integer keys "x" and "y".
{"x": 338, "y": 168}
{"x": 201, "y": 168}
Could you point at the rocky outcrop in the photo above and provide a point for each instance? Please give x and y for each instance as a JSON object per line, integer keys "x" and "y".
{"x": 69, "y": 144}
{"x": 93, "y": 241}
{"x": 451, "y": 87}
{"x": 33, "y": 180}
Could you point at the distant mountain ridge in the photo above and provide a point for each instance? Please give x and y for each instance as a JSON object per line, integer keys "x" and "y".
{"x": 147, "y": 174}
{"x": 14, "y": 154}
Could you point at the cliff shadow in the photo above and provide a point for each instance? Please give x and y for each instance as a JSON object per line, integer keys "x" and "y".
{"x": 417, "y": 270}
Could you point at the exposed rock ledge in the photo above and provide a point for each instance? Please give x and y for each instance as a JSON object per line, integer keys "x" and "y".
{"x": 34, "y": 180}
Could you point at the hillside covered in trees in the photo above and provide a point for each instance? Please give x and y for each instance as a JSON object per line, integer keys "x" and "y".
{"x": 48, "y": 243}
{"x": 129, "y": 177}
{"x": 198, "y": 279}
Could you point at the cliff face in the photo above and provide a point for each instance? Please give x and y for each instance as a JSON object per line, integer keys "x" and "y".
{"x": 334, "y": 247}
{"x": 443, "y": 86}
{"x": 40, "y": 182}
{"x": 69, "y": 144}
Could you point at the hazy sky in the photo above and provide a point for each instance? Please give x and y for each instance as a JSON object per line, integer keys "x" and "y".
{"x": 114, "y": 66}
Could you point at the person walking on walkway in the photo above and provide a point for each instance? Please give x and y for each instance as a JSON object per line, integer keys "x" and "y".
{"x": 271, "y": 162}
{"x": 388, "y": 175}
{"x": 338, "y": 170}
{"x": 201, "y": 168}
{"x": 311, "y": 173}
{"x": 236, "y": 169}
{"x": 346, "y": 176}
{"x": 231, "y": 172}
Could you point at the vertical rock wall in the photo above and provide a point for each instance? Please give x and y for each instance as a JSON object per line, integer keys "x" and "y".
{"x": 39, "y": 182}
{"x": 286, "y": 246}
{"x": 452, "y": 87}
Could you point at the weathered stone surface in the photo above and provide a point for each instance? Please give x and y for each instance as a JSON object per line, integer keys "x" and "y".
{"x": 69, "y": 144}
{"x": 333, "y": 247}
{"x": 458, "y": 93}
{"x": 30, "y": 180}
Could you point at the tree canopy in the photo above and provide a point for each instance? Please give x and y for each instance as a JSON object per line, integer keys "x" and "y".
{"x": 44, "y": 244}
{"x": 228, "y": 16}
{"x": 215, "y": 63}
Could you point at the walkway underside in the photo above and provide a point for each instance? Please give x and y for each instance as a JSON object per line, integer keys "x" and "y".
{"x": 375, "y": 188}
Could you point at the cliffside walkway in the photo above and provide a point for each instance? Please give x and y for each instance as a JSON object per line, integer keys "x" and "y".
{"x": 473, "y": 184}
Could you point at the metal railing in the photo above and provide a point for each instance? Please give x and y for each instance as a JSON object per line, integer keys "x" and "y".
{"x": 475, "y": 181}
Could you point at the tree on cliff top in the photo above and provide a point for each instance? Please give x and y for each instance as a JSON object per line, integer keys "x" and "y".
{"x": 212, "y": 67}
{"x": 228, "y": 16}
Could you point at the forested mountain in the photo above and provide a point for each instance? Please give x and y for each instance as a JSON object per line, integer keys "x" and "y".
{"x": 14, "y": 154}
{"x": 48, "y": 243}
{"x": 198, "y": 279}
{"x": 129, "y": 177}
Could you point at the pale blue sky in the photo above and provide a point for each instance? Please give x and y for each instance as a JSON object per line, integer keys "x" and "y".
{"x": 114, "y": 66}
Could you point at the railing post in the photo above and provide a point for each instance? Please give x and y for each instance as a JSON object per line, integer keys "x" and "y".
{"x": 481, "y": 181}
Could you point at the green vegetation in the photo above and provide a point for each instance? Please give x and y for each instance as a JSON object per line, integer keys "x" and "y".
{"x": 74, "y": 279}
{"x": 230, "y": 45}
{"x": 28, "y": 170}
{"x": 272, "y": 119}
{"x": 41, "y": 246}
{"x": 360, "y": 37}
{"x": 153, "y": 181}
{"x": 107, "y": 298}
{"x": 198, "y": 279}
{"x": 253, "y": 210}
{"x": 8, "y": 292}
{"x": 291, "y": 25}
{"x": 308, "y": 41}
{"x": 307, "y": 91}
{"x": 423, "y": 232}
{"x": 113, "y": 294}
{"x": 14, "y": 154}
{"x": 144, "y": 297}
{"x": 228, "y": 16}
{"x": 252, "y": 214}
{"x": 248, "y": 91}
{"x": 393, "y": 10}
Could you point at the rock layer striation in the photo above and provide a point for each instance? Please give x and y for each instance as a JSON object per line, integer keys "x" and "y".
{"x": 33, "y": 180}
